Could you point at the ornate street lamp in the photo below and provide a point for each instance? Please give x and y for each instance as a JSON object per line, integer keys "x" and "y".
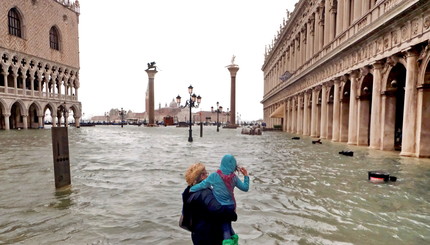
{"x": 218, "y": 111}
{"x": 194, "y": 101}
{"x": 121, "y": 113}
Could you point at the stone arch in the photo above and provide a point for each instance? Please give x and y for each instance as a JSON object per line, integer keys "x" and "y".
{"x": 34, "y": 115}
{"x": 393, "y": 106}
{"x": 17, "y": 113}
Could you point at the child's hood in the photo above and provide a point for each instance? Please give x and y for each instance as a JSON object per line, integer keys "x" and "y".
{"x": 228, "y": 164}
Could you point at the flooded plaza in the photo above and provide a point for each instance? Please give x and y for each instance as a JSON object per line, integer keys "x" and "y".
{"x": 127, "y": 184}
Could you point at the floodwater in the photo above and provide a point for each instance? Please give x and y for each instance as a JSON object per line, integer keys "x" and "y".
{"x": 127, "y": 184}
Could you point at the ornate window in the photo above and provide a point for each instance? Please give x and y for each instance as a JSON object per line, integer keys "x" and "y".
{"x": 14, "y": 23}
{"x": 53, "y": 38}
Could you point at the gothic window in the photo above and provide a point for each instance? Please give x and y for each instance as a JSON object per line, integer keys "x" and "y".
{"x": 14, "y": 23}
{"x": 53, "y": 38}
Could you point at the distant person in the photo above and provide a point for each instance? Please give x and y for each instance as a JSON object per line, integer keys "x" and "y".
{"x": 202, "y": 214}
{"x": 223, "y": 182}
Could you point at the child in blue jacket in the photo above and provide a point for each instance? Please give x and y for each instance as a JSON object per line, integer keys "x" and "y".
{"x": 223, "y": 183}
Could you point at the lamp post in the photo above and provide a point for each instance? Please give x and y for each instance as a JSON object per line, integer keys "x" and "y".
{"x": 194, "y": 101}
{"x": 218, "y": 111}
{"x": 121, "y": 113}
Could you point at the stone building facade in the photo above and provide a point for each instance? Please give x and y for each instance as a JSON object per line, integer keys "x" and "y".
{"x": 39, "y": 62}
{"x": 353, "y": 71}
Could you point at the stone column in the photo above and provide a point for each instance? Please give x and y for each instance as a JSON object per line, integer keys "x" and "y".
{"x": 314, "y": 114}
{"x": 24, "y": 83}
{"x": 365, "y": 7}
{"x": 336, "y": 111}
{"x": 40, "y": 118}
{"x": 6, "y": 121}
{"x": 317, "y": 32}
{"x": 299, "y": 114}
{"x": 60, "y": 84}
{"x": 352, "y": 128}
{"x": 15, "y": 82}
{"x": 346, "y": 15}
{"x": 288, "y": 115}
{"x": 54, "y": 118}
{"x": 77, "y": 121}
{"x": 339, "y": 18}
{"x": 357, "y": 9}
{"x": 375, "y": 117}
{"x": 410, "y": 107}
{"x": 294, "y": 115}
{"x": 423, "y": 121}
{"x": 233, "y": 68}
{"x": 77, "y": 85}
{"x": 25, "y": 121}
{"x": 32, "y": 83}
{"x": 6, "y": 88}
{"x": 323, "y": 130}
{"x": 305, "y": 114}
{"x": 151, "y": 74}
{"x": 332, "y": 21}
{"x": 327, "y": 27}
{"x": 311, "y": 36}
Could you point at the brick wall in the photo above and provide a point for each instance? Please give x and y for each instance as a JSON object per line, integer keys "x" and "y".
{"x": 38, "y": 16}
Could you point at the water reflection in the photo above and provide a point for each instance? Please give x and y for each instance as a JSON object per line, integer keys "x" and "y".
{"x": 126, "y": 186}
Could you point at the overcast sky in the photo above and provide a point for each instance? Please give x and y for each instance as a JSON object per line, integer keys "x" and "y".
{"x": 191, "y": 41}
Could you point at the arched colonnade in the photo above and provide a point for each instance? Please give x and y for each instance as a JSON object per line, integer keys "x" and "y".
{"x": 384, "y": 105}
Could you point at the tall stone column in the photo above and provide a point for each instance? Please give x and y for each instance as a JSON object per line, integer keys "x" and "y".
{"x": 288, "y": 115}
{"x": 332, "y": 33}
{"x": 15, "y": 82}
{"x": 294, "y": 115}
{"x": 357, "y": 9}
{"x": 299, "y": 115}
{"x": 6, "y": 120}
{"x": 423, "y": 121}
{"x": 352, "y": 128}
{"x": 233, "y": 68}
{"x": 314, "y": 113}
{"x": 327, "y": 23}
{"x": 346, "y": 15}
{"x": 410, "y": 107}
{"x": 336, "y": 111}
{"x": 6, "y": 88}
{"x": 339, "y": 18}
{"x": 323, "y": 130}
{"x": 311, "y": 37}
{"x": 151, "y": 71}
{"x": 317, "y": 32}
{"x": 40, "y": 119}
{"x": 24, "y": 121}
{"x": 375, "y": 116}
{"x": 305, "y": 114}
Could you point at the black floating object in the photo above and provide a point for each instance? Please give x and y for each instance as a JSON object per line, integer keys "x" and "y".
{"x": 316, "y": 141}
{"x": 295, "y": 138}
{"x": 393, "y": 178}
{"x": 379, "y": 176}
{"x": 347, "y": 153}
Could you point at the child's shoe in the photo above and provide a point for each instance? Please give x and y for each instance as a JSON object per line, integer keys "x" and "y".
{"x": 235, "y": 239}
{"x": 228, "y": 242}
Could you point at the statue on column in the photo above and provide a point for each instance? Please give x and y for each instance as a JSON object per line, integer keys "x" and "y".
{"x": 152, "y": 66}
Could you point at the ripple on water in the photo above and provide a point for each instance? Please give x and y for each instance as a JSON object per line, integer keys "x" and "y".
{"x": 127, "y": 185}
